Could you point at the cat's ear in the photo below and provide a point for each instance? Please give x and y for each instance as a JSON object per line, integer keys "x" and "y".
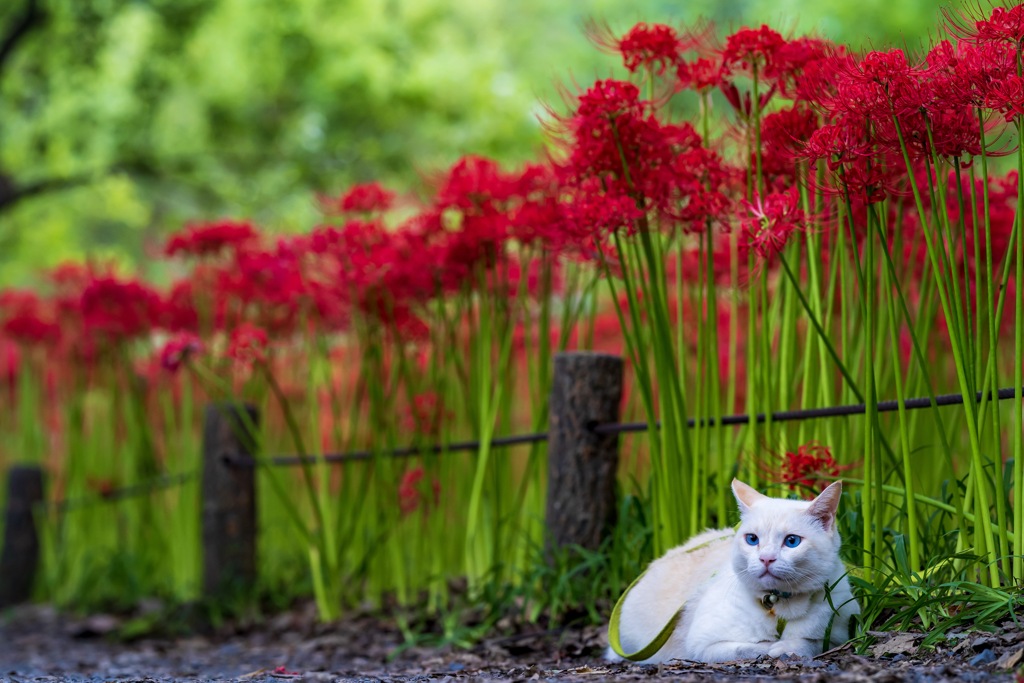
{"x": 823, "y": 508}
{"x": 746, "y": 495}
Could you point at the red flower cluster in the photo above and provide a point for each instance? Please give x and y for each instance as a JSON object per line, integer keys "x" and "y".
{"x": 27, "y": 319}
{"x": 210, "y": 239}
{"x": 368, "y": 198}
{"x": 811, "y": 467}
{"x": 772, "y": 220}
{"x": 248, "y": 345}
{"x": 427, "y": 414}
{"x": 807, "y": 116}
{"x": 411, "y": 492}
{"x": 178, "y": 349}
{"x": 625, "y": 165}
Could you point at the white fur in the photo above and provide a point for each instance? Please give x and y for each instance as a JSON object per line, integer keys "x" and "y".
{"x": 721, "y": 580}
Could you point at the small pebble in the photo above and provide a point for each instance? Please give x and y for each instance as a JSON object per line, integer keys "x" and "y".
{"x": 986, "y": 657}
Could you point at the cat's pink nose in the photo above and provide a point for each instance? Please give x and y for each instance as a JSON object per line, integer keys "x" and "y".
{"x": 767, "y": 561}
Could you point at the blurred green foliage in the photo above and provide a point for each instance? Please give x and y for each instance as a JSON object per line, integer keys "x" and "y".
{"x": 120, "y": 120}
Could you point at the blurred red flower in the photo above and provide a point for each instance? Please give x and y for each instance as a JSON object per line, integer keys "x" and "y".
{"x": 248, "y": 344}
{"x": 410, "y": 492}
{"x": 210, "y": 239}
{"x": 363, "y": 198}
{"x": 178, "y": 349}
{"x": 26, "y": 318}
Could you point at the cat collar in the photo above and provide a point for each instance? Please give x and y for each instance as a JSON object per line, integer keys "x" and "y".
{"x": 773, "y": 596}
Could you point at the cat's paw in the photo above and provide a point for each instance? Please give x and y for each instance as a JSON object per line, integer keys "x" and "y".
{"x": 798, "y": 647}
{"x": 611, "y": 656}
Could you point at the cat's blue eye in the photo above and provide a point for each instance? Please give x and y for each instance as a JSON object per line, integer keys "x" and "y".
{"x": 792, "y": 541}
{"x": 752, "y": 539}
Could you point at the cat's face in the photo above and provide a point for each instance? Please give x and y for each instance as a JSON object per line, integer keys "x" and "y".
{"x": 786, "y": 545}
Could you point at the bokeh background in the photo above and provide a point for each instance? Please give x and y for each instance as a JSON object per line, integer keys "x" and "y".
{"x": 121, "y": 120}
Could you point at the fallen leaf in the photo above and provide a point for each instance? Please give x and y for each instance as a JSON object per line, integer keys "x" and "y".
{"x": 897, "y": 644}
{"x": 1010, "y": 660}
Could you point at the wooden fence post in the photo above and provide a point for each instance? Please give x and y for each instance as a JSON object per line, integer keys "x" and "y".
{"x": 20, "y": 557}
{"x": 228, "y": 500}
{"x": 586, "y": 391}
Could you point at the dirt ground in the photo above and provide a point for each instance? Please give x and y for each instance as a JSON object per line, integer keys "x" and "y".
{"x": 39, "y": 644}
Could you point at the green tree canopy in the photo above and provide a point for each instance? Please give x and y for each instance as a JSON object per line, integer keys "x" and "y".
{"x": 120, "y": 120}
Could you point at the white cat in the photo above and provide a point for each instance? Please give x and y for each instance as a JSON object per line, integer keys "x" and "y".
{"x": 766, "y": 588}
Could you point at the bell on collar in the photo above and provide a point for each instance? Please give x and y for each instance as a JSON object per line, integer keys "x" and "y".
{"x": 769, "y": 600}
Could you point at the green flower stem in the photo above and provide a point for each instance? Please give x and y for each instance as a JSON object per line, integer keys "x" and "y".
{"x": 226, "y": 393}
{"x": 969, "y": 410}
{"x": 926, "y": 377}
{"x": 304, "y": 454}
{"x": 1018, "y": 362}
{"x": 908, "y": 480}
{"x": 930, "y": 501}
{"x": 822, "y": 335}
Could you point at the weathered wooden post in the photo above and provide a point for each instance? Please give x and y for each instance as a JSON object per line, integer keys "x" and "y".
{"x": 229, "y": 499}
{"x": 586, "y": 391}
{"x": 20, "y": 557}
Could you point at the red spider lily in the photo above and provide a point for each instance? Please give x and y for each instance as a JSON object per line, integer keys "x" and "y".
{"x": 752, "y": 48}
{"x": 654, "y": 46}
{"x": 536, "y": 218}
{"x": 784, "y": 134}
{"x": 475, "y": 183}
{"x": 701, "y": 75}
{"x": 411, "y": 495}
{"x": 211, "y": 239}
{"x": 179, "y": 307}
{"x": 178, "y": 349}
{"x": 1007, "y": 97}
{"x": 266, "y": 285}
{"x": 71, "y": 275}
{"x": 469, "y": 223}
{"x": 26, "y": 318}
{"x": 836, "y": 144}
{"x": 773, "y": 219}
{"x": 381, "y": 274}
{"x": 248, "y": 345}
{"x": 112, "y": 311}
{"x": 589, "y": 213}
{"x": 1003, "y": 25}
{"x": 367, "y": 198}
{"x": 427, "y": 414}
{"x": 965, "y": 73}
{"x": 619, "y": 151}
{"x": 789, "y": 129}
{"x": 811, "y": 467}
{"x": 615, "y": 139}
{"x": 857, "y": 170}
{"x": 797, "y": 63}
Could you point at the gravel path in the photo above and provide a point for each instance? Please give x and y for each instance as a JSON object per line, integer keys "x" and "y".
{"x": 38, "y": 644}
